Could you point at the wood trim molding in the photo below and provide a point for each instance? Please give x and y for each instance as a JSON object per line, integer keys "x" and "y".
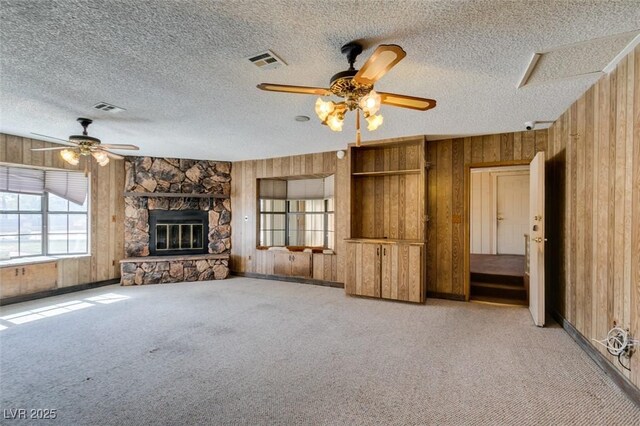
{"x": 613, "y": 373}
{"x": 448, "y": 296}
{"x": 57, "y": 291}
{"x": 467, "y": 214}
{"x": 289, "y": 279}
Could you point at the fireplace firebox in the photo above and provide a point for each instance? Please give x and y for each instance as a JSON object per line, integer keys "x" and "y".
{"x": 174, "y": 232}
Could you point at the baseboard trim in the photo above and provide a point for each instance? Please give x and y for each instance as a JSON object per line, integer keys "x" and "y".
{"x": 449, "y": 296}
{"x": 289, "y": 279}
{"x": 601, "y": 361}
{"x": 57, "y": 291}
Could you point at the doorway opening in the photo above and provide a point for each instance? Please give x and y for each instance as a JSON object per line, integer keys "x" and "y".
{"x": 498, "y": 234}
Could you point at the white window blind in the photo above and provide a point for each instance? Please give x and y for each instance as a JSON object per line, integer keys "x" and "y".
{"x": 19, "y": 179}
{"x": 71, "y": 186}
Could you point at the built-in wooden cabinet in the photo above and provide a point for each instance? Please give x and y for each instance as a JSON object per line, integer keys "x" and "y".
{"x": 385, "y": 251}
{"x": 292, "y": 264}
{"x": 389, "y": 270}
{"x": 317, "y": 266}
{"x": 17, "y": 280}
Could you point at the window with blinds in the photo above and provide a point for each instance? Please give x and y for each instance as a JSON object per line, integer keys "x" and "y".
{"x": 42, "y": 212}
{"x": 296, "y": 212}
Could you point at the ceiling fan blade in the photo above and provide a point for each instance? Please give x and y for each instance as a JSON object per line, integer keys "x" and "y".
{"x": 385, "y": 57}
{"x": 120, "y": 146}
{"x": 303, "y": 90}
{"x": 112, "y": 155}
{"x": 51, "y": 137}
{"x": 50, "y": 149}
{"x": 404, "y": 101}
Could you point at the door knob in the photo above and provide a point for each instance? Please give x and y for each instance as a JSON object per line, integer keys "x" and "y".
{"x": 539, "y": 240}
{"x": 500, "y": 218}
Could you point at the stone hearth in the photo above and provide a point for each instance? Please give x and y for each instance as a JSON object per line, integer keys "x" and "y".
{"x": 173, "y": 269}
{"x": 175, "y": 184}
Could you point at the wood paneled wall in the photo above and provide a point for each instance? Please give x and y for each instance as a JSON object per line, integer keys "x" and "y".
{"x": 594, "y": 228}
{"x": 446, "y": 197}
{"x": 445, "y": 231}
{"x": 106, "y": 204}
{"x": 244, "y": 256}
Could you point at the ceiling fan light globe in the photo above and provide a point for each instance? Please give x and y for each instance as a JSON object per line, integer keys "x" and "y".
{"x": 323, "y": 109}
{"x": 374, "y": 121}
{"x": 70, "y": 156}
{"x": 370, "y": 103}
{"x": 101, "y": 157}
{"x": 335, "y": 123}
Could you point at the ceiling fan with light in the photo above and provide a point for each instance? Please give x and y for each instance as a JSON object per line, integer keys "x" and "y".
{"x": 84, "y": 145}
{"x": 356, "y": 89}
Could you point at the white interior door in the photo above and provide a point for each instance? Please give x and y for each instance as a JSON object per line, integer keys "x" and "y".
{"x": 512, "y": 212}
{"x": 537, "y": 239}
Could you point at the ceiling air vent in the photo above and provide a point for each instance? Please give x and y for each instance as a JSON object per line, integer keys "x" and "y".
{"x": 103, "y": 106}
{"x": 266, "y": 60}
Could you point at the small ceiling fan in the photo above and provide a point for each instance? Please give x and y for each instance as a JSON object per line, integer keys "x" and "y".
{"x": 356, "y": 89}
{"x": 84, "y": 145}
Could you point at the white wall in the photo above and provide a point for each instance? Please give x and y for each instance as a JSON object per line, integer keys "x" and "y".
{"x": 483, "y": 207}
{"x": 482, "y": 216}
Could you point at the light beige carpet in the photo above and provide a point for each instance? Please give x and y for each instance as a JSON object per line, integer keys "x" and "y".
{"x": 248, "y": 351}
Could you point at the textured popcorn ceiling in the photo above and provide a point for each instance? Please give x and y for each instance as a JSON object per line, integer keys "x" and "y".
{"x": 180, "y": 68}
{"x": 581, "y": 58}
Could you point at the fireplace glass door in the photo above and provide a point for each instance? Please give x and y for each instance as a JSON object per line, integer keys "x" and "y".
{"x": 179, "y": 237}
{"x": 174, "y": 232}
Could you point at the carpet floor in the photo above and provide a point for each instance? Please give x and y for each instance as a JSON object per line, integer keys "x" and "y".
{"x": 249, "y": 351}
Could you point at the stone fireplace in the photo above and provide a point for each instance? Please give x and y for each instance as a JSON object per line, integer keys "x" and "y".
{"x": 177, "y": 220}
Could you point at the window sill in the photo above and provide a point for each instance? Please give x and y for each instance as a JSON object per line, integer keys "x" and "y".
{"x": 39, "y": 259}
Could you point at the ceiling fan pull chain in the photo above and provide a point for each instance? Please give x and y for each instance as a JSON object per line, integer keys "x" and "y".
{"x": 358, "y": 127}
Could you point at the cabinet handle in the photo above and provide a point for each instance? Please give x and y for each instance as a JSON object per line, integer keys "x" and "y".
{"x": 384, "y": 251}
{"x": 17, "y": 272}
{"x": 22, "y": 271}
{"x": 378, "y": 251}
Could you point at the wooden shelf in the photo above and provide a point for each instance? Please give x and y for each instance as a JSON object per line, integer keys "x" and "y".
{"x": 387, "y": 172}
{"x": 384, "y": 240}
{"x": 174, "y": 258}
{"x": 173, "y": 195}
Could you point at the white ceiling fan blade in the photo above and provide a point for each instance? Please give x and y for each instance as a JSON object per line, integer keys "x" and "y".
{"x": 404, "y": 101}
{"x": 303, "y": 90}
{"x": 385, "y": 57}
{"x": 112, "y": 155}
{"x": 120, "y": 146}
{"x": 50, "y": 149}
{"x": 51, "y": 137}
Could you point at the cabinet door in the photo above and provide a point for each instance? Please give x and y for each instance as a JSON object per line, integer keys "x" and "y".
{"x": 410, "y": 273}
{"x": 415, "y": 277}
{"x": 301, "y": 265}
{"x": 10, "y": 281}
{"x": 368, "y": 262}
{"x": 39, "y": 277}
{"x": 387, "y": 275}
{"x": 402, "y": 272}
{"x": 282, "y": 263}
{"x": 363, "y": 269}
{"x": 351, "y": 272}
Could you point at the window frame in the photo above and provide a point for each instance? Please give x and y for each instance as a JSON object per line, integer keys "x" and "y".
{"x": 44, "y": 212}
{"x": 288, "y": 214}
{"x": 68, "y": 213}
{"x": 19, "y": 212}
